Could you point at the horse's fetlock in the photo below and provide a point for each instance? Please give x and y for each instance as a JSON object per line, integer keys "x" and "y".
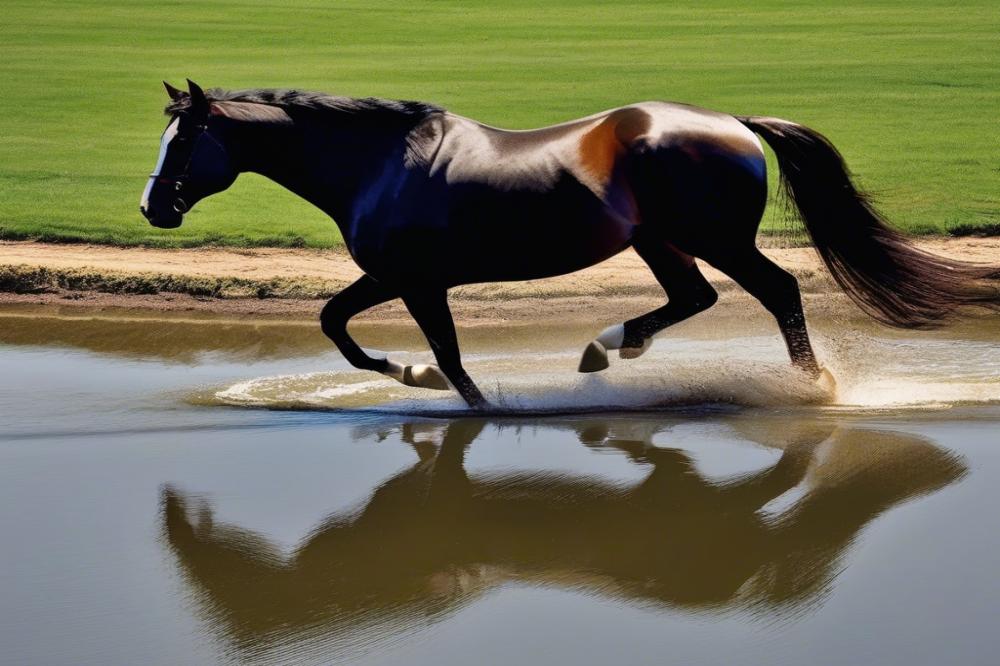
{"x": 706, "y": 299}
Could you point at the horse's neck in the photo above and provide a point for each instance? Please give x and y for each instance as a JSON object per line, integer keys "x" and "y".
{"x": 323, "y": 165}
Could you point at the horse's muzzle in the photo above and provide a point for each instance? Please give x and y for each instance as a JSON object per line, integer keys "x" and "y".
{"x": 171, "y": 220}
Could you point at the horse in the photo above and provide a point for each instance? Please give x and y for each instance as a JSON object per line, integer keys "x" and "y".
{"x": 434, "y": 537}
{"x": 427, "y": 200}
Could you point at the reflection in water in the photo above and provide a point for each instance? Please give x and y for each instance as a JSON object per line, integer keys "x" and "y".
{"x": 184, "y": 337}
{"x": 432, "y": 537}
{"x": 168, "y": 338}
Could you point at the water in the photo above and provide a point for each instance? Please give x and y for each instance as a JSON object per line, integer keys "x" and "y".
{"x": 200, "y": 491}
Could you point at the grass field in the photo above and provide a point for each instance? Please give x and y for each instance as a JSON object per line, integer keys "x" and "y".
{"x": 909, "y": 91}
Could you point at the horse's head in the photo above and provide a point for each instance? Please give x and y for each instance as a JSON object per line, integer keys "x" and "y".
{"x": 193, "y": 161}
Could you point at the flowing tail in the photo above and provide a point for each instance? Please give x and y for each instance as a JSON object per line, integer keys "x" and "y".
{"x": 880, "y": 269}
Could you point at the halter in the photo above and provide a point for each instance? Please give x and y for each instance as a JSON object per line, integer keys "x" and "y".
{"x": 179, "y": 204}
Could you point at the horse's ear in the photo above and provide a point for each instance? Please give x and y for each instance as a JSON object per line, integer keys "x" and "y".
{"x": 174, "y": 93}
{"x": 199, "y": 103}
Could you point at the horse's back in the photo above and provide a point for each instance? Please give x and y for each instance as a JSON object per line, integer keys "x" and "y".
{"x": 689, "y": 151}
{"x": 487, "y": 204}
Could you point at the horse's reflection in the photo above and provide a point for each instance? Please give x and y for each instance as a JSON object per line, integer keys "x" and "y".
{"x": 433, "y": 537}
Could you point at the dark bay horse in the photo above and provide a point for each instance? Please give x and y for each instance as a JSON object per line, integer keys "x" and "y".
{"x": 427, "y": 200}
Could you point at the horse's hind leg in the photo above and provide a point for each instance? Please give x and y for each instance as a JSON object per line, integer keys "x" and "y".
{"x": 778, "y": 291}
{"x": 688, "y": 293}
{"x": 430, "y": 310}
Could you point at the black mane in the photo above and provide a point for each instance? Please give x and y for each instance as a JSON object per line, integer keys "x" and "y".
{"x": 371, "y": 108}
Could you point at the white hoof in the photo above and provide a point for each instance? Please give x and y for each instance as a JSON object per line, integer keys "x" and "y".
{"x": 418, "y": 376}
{"x": 595, "y": 356}
{"x": 426, "y": 376}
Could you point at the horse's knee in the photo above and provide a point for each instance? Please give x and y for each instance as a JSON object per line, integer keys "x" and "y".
{"x": 333, "y": 319}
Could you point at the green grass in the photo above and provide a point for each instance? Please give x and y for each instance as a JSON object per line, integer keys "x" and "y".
{"x": 909, "y": 91}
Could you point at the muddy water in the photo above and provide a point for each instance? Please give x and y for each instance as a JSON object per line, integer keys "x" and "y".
{"x": 198, "y": 491}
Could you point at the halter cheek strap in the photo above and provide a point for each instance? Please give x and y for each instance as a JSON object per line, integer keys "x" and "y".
{"x": 179, "y": 204}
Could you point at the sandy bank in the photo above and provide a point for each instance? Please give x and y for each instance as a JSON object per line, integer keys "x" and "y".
{"x": 290, "y": 283}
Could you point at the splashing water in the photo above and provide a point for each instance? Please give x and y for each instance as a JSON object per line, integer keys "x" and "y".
{"x": 912, "y": 373}
{"x": 871, "y": 373}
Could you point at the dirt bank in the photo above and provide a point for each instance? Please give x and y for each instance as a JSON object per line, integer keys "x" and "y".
{"x": 289, "y": 283}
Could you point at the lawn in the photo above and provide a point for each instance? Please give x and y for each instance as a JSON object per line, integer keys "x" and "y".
{"x": 909, "y": 91}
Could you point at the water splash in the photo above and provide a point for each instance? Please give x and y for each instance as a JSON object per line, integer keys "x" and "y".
{"x": 879, "y": 373}
{"x": 871, "y": 373}
{"x": 703, "y": 376}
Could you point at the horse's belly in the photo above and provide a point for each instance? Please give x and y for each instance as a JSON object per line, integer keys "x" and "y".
{"x": 523, "y": 236}
{"x": 532, "y": 249}
{"x": 477, "y": 234}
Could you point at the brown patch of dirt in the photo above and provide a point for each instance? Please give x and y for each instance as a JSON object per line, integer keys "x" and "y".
{"x": 618, "y": 288}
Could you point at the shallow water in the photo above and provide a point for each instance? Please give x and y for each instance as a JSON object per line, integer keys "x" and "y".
{"x": 197, "y": 491}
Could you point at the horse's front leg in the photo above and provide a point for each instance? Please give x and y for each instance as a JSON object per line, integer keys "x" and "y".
{"x": 358, "y": 297}
{"x": 430, "y": 310}
{"x": 365, "y": 293}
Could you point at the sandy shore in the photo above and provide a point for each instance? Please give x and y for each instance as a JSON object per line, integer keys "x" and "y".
{"x": 294, "y": 281}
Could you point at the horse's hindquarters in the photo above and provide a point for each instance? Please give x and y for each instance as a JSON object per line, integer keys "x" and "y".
{"x": 700, "y": 194}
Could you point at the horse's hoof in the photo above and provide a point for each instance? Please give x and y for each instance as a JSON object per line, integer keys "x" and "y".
{"x": 595, "y": 358}
{"x": 826, "y": 381}
{"x": 635, "y": 352}
{"x": 426, "y": 376}
{"x": 418, "y": 376}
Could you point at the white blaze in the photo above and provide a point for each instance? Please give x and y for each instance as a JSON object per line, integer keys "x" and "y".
{"x": 168, "y": 134}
